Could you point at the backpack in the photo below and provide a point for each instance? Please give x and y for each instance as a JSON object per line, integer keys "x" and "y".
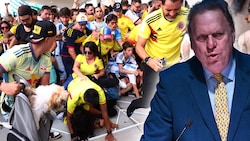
{"x": 23, "y": 123}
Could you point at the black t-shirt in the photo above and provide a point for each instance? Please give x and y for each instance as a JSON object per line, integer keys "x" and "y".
{"x": 21, "y": 35}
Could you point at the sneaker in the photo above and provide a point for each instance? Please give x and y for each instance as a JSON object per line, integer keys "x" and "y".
{"x": 122, "y": 84}
{"x": 54, "y": 135}
{"x": 60, "y": 116}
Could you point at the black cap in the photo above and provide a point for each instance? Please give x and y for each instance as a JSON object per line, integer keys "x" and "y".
{"x": 42, "y": 29}
{"x": 117, "y": 7}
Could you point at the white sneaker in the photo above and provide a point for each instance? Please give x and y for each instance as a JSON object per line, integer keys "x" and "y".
{"x": 122, "y": 84}
{"x": 54, "y": 135}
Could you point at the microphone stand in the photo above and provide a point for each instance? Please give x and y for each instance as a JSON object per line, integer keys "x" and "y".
{"x": 188, "y": 124}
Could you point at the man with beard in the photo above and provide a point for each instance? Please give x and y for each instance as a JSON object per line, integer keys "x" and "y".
{"x": 158, "y": 45}
{"x": 23, "y": 30}
{"x": 98, "y": 23}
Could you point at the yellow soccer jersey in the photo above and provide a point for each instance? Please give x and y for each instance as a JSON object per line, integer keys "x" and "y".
{"x": 13, "y": 29}
{"x": 90, "y": 38}
{"x": 105, "y": 46}
{"x": 125, "y": 24}
{"x": 90, "y": 18}
{"x": 77, "y": 88}
{"x": 88, "y": 69}
{"x": 20, "y": 60}
{"x": 164, "y": 37}
{"x": 144, "y": 14}
{"x": 1, "y": 36}
{"x": 133, "y": 35}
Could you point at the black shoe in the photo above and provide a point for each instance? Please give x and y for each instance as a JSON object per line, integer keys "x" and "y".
{"x": 130, "y": 110}
{"x": 135, "y": 104}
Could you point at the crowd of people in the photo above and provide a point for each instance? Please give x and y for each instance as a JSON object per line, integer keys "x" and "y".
{"x": 102, "y": 53}
{"x": 91, "y": 54}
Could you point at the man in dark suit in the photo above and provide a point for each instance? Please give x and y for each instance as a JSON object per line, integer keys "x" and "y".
{"x": 186, "y": 93}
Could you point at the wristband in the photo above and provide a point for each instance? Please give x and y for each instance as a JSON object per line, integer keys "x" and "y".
{"x": 146, "y": 60}
{"x": 109, "y": 131}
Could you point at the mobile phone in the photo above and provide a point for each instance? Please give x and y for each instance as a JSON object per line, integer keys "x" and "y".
{"x": 163, "y": 61}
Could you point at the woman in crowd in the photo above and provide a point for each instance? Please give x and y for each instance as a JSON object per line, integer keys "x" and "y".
{"x": 5, "y": 27}
{"x": 89, "y": 63}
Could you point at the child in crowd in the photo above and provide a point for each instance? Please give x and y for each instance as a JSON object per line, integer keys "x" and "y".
{"x": 128, "y": 66}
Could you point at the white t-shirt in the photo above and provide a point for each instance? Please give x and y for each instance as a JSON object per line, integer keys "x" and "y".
{"x": 132, "y": 15}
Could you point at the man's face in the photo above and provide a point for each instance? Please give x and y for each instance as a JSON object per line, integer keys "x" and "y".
{"x": 80, "y": 27}
{"x": 90, "y": 10}
{"x": 73, "y": 17}
{"x": 45, "y": 14}
{"x": 171, "y": 9}
{"x": 158, "y": 5}
{"x": 136, "y": 7}
{"x": 65, "y": 20}
{"x": 118, "y": 14}
{"x": 98, "y": 13}
{"x": 26, "y": 20}
{"x": 113, "y": 25}
{"x": 212, "y": 40}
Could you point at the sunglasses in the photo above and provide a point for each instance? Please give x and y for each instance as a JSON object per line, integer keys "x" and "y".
{"x": 4, "y": 28}
{"x": 88, "y": 52}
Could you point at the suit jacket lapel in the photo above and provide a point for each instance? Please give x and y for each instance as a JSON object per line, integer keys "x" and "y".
{"x": 199, "y": 91}
{"x": 240, "y": 97}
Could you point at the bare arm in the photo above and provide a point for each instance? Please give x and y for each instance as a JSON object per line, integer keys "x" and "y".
{"x": 45, "y": 79}
{"x": 107, "y": 122}
{"x": 11, "y": 89}
{"x": 120, "y": 43}
{"x": 99, "y": 74}
{"x": 140, "y": 50}
{"x": 8, "y": 35}
{"x": 138, "y": 22}
{"x": 69, "y": 115}
{"x": 76, "y": 69}
{"x": 153, "y": 63}
{"x": 126, "y": 71}
{"x": 76, "y": 5}
{"x": 7, "y": 8}
{"x": 13, "y": 42}
{"x": 72, "y": 53}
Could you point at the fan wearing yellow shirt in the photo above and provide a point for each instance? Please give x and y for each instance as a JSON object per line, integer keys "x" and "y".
{"x": 125, "y": 24}
{"x": 88, "y": 64}
{"x": 133, "y": 35}
{"x": 90, "y": 11}
{"x": 158, "y": 45}
{"x": 155, "y": 5}
{"x": 87, "y": 95}
{"x": 106, "y": 42}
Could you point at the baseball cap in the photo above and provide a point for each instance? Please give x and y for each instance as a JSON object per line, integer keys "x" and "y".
{"x": 42, "y": 29}
{"x": 117, "y": 7}
{"x": 81, "y": 19}
{"x": 107, "y": 33}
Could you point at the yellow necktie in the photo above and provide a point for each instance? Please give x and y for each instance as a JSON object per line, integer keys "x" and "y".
{"x": 221, "y": 107}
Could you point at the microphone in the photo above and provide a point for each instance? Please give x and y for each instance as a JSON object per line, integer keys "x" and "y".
{"x": 188, "y": 124}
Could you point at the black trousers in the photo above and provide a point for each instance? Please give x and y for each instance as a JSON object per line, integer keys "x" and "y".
{"x": 150, "y": 80}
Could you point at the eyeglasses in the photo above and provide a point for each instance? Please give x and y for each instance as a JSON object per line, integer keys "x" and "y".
{"x": 4, "y": 28}
{"x": 88, "y": 52}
